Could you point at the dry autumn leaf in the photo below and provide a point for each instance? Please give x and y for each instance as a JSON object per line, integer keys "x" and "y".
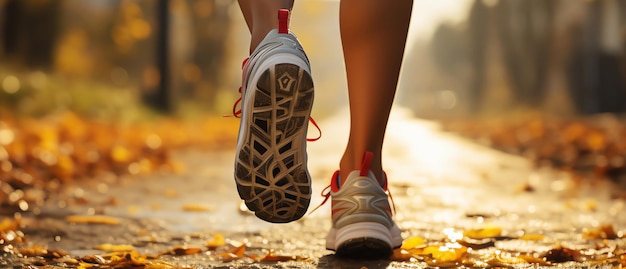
{"x": 67, "y": 147}
{"x": 562, "y": 254}
{"x": 9, "y": 224}
{"x": 483, "y": 233}
{"x": 603, "y": 232}
{"x": 182, "y": 250}
{"x": 532, "y": 237}
{"x": 217, "y": 241}
{"x": 96, "y": 219}
{"x": 271, "y": 257}
{"x": 34, "y": 251}
{"x": 111, "y": 247}
{"x": 442, "y": 253}
{"x": 413, "y": 242}
{"x": 401, "y": 255}
{"x": 233, "y": 253}
{"x": 196, "y": 208}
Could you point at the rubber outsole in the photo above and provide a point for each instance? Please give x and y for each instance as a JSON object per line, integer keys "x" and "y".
{"x": 270, "y": 169}
{"x": 364, "y": 248}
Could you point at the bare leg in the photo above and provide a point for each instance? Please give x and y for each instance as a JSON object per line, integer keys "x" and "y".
{"x": 261, "y": 17}
{"x": 373, "y": 34}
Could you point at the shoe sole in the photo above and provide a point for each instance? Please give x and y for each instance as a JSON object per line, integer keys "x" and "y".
{"x": 270, "y": 170}
{"x": 364, "y": 240}
{"x": 364, "y": 248}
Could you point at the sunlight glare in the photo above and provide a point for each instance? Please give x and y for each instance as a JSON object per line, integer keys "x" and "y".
{"x": 452, "y": 234}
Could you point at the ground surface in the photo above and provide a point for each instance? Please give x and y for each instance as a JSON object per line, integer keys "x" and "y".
{"x": 458, "y": 203}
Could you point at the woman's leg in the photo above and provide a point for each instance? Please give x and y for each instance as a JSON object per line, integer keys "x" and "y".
{"x": 261, "y": 18}
{"x": 373, "y": 34}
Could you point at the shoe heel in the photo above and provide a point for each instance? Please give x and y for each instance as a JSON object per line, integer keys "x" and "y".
{"x": 364, "y": 240}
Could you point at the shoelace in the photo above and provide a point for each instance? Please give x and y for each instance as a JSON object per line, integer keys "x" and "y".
{"x": 237, "y": 112}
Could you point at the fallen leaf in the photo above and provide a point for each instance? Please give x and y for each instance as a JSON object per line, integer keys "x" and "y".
{"x": 217, "y": 241}
{"x": 271, "y": 257}
{"x": 34, "y": 251}
{"x": 93, "y": 259}
{"x": 239, "y": 251}
{"x": 111, "y": 247}
{"x": 561, "y": 254}
{"x": 9, "y": 224}
{"x": 401, "y": 255}
{"x": 233, "y": 254}
{"x": 196, "y": 208}
{"x": 444, "y": 253}
{"x": 532, "y": 237}
{"x": 603, "y": 232}
{"x": 483, "y": 233}
{"x": 227, "y": 257}
{"x": 66, "y": 260}
{"x": 182, "y": 251}
{"x": 97, "y": 219}
{"x": 413, "y": 242}
{"x": 534, "y": 260}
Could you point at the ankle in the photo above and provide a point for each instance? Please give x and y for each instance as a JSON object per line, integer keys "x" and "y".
{"x": 349, "y": 163}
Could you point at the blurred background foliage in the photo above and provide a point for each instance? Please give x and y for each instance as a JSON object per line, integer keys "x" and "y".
{"x": 557, "y": 56}
{"x": 110, "y": 58}
{"x": 101, "y": 58}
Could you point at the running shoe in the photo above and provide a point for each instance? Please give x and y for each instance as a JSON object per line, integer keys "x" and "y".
{"x": 277, "y": 96}
{"x": 361, "y": 215}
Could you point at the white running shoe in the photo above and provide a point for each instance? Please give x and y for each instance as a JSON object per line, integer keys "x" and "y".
{"x": 361, "y": 215}
{"x": 277, "y": 96}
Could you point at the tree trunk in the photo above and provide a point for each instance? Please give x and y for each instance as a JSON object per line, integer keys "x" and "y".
{"x": 30, "y": 32}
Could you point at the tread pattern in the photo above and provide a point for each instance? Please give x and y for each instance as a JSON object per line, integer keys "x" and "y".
{"x": 270, "y": 169}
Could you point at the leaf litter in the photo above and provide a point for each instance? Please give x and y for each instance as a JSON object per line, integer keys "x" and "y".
{"x": 39, "y": 156}
{"x": 217, "y": 248}
{"x": 609, "y": 249}
{"x": 50, "y": 153}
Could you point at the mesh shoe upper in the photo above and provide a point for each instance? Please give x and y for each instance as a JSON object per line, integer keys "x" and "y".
{"x": 361, "y": 215}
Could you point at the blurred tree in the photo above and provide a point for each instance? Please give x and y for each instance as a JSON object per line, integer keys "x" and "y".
{"x": 30, "y": 31}
{"x": 596, "y": 70}
{"x": 477, "y": 32}
{"x": 211, "y": 19}
{"x": 162, "y": 97}
{"x": 191, "y": 40}
{"x": 525, "y": 31}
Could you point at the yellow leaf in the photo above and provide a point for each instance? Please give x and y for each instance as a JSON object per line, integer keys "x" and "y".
{"x": 413, "y": 242}
{"x": 99, "y": 219}
{"x": 271, "y": 257}
{"x": 196, "y": 208}
{"x": 533, "y": 259}
{"x": 401, "y": 255}
{"x": 110, "y": 247}
{"x": 485, "y": 232}
{"x": 217, "y": 241}
{"x": 450, "y": 252}
{"x": 34, "y": 251}
{"x": 8, "y": 224}
{"x": 120, "y": 154}
{"x": 183, "y": 250}
{"x": 532, "y": 237}
{"x": 602, "y": 232}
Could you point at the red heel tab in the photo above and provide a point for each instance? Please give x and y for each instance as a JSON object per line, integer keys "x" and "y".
{"x": 335, "y": 182}
{"x": 283, "y": 21}
{"x": 366, "y": 163}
